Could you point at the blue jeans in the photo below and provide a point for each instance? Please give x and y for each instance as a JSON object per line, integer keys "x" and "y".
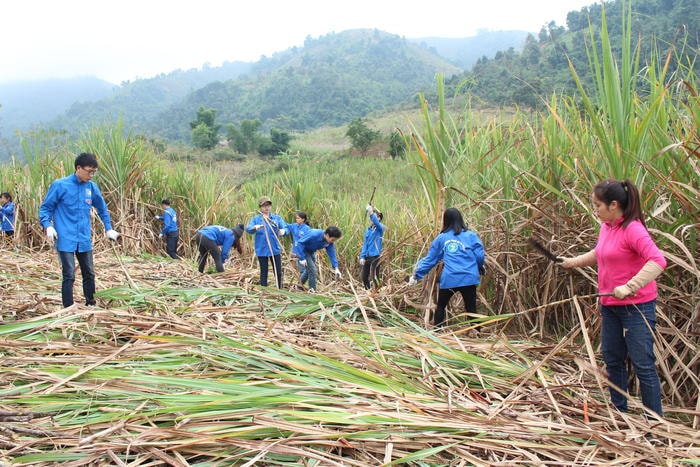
{"x": 87, "y": 269}
{"x": 310, "y": 272}
{"x": 628, "y": 331}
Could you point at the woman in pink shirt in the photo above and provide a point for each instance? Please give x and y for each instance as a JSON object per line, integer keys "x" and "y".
{"x": 628, "y": 263}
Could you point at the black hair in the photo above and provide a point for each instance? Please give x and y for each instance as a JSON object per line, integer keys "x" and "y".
{"x": 626, "y": 194}
{"x": 303, "y": 215}
{"x": 6, "y": 195}
{"x": 86, "y": 159}
{"x": 333, "y": 232}
{"x": 452, "y": 220}
{"x": 165, "y": 201}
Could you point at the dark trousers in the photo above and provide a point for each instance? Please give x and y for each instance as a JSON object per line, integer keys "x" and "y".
{"x": 628, "y": 332}
{"x": 207, "y": 247}
{"x": 87, "y": 269}
{"x": 370, "y": 272}
{"x": 444, "y": 295}
{"x": 171, "y": 239}
{"x": 277, "y": 269}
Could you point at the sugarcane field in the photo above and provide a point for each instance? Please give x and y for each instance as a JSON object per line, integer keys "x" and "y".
{"x": 518, "y": 288}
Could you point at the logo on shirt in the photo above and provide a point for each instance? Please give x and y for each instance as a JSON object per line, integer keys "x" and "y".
{"x": 453, "y": 246}
{"x": 88, "y": 196}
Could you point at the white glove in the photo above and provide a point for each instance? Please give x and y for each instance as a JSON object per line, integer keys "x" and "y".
{"x": 369, "y": 208}
{"x": 258, "y": 227}
{"x": 282, "y": 232}
{"x": 157, "y": 218}
{"x": 112, "y": 234}
{"x": 337, "y": 273}
{"x": 362, "y": 261}
{"x": 412, "y": 280}
{"x": 302, "y": 262}
{"x": 160, "y": 236}
{"x": 51, "y": 234}
{"x": 622, "y": 291}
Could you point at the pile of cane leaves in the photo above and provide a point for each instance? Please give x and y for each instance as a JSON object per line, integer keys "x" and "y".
{"x": 180, "y": 368}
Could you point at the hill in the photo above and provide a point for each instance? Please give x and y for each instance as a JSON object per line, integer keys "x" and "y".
{"x": 28, "y": 103}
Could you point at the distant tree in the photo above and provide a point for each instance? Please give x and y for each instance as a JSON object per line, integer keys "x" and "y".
{"x": 361, "y": 135}
{"x": 277, "y": 143}
{"x": 246, "y": 137}
{"x": 397, "y": 145}
{"x": 205, "y": 131}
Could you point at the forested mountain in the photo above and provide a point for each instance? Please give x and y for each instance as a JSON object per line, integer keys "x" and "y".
{"x": 140, "y": 101}
{"x": 330, "y": 81}
{"x": 526, "y": 77}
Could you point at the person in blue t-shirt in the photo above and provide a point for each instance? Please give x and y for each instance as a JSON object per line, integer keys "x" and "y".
{"x": 8, "y": 214}
{"x": 208, "y": 239}
{"x": 65, "y": 214}
{"x": 372, "y": 248}
{"x": 462, "y": 255}
{"x": 267, "y": 228}
{"x": 170, "y": 230}
{"x": 297, "y": 230}
{"x": 306, "y": 249}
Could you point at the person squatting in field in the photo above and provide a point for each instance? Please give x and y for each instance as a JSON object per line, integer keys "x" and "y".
{"x": 210, "y": 238}
{"x": 372, "y": 248}
{"x": 65, "y": 214}
{"x": 628, "y": 264}
{"x": 309, "y": 244}
{"x": 267, "y": 228}
{"x": 169, "y": 231}
{"x": 462, "y": 254}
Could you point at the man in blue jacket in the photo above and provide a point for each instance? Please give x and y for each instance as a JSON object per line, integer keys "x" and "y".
{"x": 372, "y": 248}
{"x": 306, "y": 249}
{"x": 267, "y": 228}
{"x": 170, "y": 230}
{"x": 65, "y": 214}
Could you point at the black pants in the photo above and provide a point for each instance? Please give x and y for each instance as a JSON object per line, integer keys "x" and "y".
{"x": 444, "y": 295}
{"x": 87, "y": 270}
{"x": 207, "y": 247}
{"x": 171, "y": 239}
{"x": 370, "y": 272}
{"x": 277, "y": 269}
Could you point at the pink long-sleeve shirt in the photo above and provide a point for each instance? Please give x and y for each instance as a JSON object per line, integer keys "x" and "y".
{"x": 621, "y": 252}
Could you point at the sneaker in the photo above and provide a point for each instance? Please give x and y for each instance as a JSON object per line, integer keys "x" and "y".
{"x": 312, "y": 290}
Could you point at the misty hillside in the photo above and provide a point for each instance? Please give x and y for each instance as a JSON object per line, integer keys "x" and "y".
{"x": 465, "y": 52}
{"x": 28, "y": 103}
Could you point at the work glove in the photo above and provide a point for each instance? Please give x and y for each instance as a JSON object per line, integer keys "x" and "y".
{"x": 362, "y": 261}
{"x": 258, "y": 227}
{"x": 302, "y": 262}
{"x": 282, "y": 232}
{"x": 160, "y": 236}
{"x": 580, "y": 261}
{"x": 412, "y": 280}
{"x": 157, "y": 218}
{"x": 112, "y": 234}
{"x": 338, "y": 275}
{"x": 51, "y": 234}
{"x": 369, "y": 208}
{"x": 648, "y": 273}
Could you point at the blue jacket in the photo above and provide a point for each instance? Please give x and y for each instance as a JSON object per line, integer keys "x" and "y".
{"x": 8, "y": 217}
{"x": 297, "y": 231}
{"x": 267, "y": 242}
{"x": 311, "y": 243}
{"x": 461, "y": 256}
{"x": 169, "y": 219}
{"x": 222, "y": 236}
{"x": 67, "y": 206}
{"x": 372, "y": 246}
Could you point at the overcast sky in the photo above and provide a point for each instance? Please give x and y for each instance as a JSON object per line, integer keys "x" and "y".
{"x": 129, "y": 39}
